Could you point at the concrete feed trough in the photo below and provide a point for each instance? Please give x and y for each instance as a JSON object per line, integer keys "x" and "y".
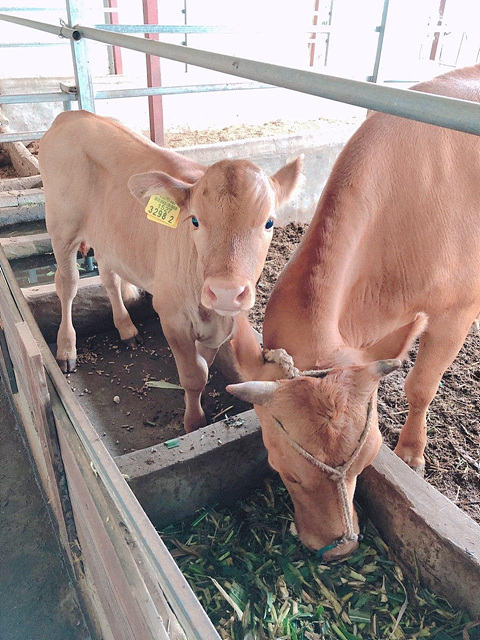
{"x": 427, "y": 531}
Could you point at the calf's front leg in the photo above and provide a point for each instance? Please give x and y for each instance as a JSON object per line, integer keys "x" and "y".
{"x": 192, "y": 370}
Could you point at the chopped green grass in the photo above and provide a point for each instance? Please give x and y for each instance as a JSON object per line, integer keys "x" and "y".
{"x": 257, "y": 582}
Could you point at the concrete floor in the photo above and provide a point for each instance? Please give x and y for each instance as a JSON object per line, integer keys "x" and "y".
{"x": 37, "y": 599}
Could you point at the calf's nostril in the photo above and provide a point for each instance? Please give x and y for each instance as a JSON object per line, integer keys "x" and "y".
{"x": 241, "y": 295}
{"x": 211, "y": 294}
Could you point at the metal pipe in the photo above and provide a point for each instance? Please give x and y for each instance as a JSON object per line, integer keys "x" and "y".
{"x": 81, "y": 63}
{"x": 62, "y": 31}
{"x": 26, "y": 136}
{"x": 451, "y": 113}
{"x": 442, "y": 111}
{"x": 381, "y": 37}
{"x": 22, "y": 98}
{"x": 22, "y": 45}
{"x": 186, "y": 29}
{"x": 169, "y": 91}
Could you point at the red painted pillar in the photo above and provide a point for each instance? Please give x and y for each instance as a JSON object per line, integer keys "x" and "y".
{"x": 155, "y": 104}
{"x": 117, "y": 51}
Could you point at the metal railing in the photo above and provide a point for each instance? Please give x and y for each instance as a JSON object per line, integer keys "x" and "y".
{"x": 443, "y": 111}
{"x": 83, "y": 92}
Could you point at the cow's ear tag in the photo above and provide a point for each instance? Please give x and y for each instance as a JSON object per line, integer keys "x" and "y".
{"x": 163, "y": 210}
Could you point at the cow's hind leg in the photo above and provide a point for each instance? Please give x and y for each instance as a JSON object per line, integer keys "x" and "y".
{"x": 438, "y": 348}
{"x": 121, "y": 318}
{"x": 66, "y": 284}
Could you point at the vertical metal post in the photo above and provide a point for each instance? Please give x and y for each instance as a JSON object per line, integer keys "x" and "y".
{"x": 81, "y": 64}
{"x": 437, "y": 34}
{"x": 381, "y": 34}
{"x": 115, "y": 65}
{"x": 155, "y": 103}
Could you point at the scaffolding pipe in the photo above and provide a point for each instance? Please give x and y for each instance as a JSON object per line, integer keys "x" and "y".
{"x": 442, "y": 111}
{"x": 451, "y": 113}
{"x": 62, "y": 31}
{"x": 109, "y": 94}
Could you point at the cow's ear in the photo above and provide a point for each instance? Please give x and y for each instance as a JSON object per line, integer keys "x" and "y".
{"x": 287, "y": 180}
{"x": 397, "y": 344}
{"x": 151, "y": 183}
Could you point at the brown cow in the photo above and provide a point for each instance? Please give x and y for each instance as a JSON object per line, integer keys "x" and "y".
{"x": 395, "y": 238}
{"x": 201, "y": 273}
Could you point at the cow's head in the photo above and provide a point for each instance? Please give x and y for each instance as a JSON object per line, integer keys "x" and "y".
{"x": 326, "y": 416}
{"x": 230, "y": 212}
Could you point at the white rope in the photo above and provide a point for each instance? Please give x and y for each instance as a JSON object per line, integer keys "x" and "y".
{"x": 283, "y": 359}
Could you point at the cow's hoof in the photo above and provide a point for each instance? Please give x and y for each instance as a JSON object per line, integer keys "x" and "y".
{"x": 133, "y": 342}
{"x": 415, "y": 463}
{"x": 67, "y": 366}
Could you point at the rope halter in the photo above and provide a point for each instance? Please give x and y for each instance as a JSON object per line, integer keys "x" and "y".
{"x": 338, "y": 474}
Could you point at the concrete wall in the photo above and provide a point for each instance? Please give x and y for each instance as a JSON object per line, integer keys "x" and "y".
{"x": 321, "y": 149}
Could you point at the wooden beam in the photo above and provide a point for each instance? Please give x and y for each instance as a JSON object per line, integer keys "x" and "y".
{"x": 155, "y": 103}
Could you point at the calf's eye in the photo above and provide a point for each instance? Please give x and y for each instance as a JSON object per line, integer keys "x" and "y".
{"x": 269, "y": 224}
{"x": 195, "y": 222}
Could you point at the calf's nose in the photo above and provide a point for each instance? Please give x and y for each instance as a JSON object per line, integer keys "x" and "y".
{"x": 224, "y": 297}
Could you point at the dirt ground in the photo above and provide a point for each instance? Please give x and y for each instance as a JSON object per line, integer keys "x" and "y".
{"x": 37, "y": 600}
{"x": 187, "y": 137}
{"x": 452, "y": 456}
{"x": 143, "y": 416}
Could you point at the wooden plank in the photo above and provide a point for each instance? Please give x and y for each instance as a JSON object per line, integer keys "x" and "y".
{"x": 109, "y": 551}
{"x": 16, "y": 184}
{"x": 30, "y": 377}
{"x": 156, "y": 565}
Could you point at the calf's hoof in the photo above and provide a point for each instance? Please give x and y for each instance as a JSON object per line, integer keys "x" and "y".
{"x": 133, "y": 342}
{"x": 193, "y": 425}
{"x": 67, "y": 366}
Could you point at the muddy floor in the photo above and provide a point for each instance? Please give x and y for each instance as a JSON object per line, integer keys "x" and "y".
{"x": 452, "y": 455}
{"x": 37, "y": 600}
{"x": 110, "y": 383}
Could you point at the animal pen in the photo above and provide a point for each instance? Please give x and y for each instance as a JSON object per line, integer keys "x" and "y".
{"x": 107, "y": 502}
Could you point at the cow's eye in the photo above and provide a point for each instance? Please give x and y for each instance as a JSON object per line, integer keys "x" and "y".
{"x": 195, "y": 222}
{"x": 269, "y": 224}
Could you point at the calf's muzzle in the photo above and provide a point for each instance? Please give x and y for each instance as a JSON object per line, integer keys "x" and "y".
{"x": 226, "y": 297}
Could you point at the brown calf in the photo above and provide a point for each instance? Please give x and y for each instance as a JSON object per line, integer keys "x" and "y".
{"x": 395, "y": 239}
{"x": 98, "y": 178}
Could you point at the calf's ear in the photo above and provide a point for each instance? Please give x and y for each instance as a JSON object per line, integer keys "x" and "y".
{"x": 287, "y": 180}
{"x": 151, "y": 183}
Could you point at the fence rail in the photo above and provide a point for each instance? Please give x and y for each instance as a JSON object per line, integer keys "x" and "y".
{"x": 451, "y": 113}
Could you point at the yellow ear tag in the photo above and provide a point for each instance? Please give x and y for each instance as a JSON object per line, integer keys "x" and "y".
{"x": 163, "y": 210}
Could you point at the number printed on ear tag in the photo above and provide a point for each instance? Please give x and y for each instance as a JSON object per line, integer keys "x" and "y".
{"x": 163, "y": 210}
